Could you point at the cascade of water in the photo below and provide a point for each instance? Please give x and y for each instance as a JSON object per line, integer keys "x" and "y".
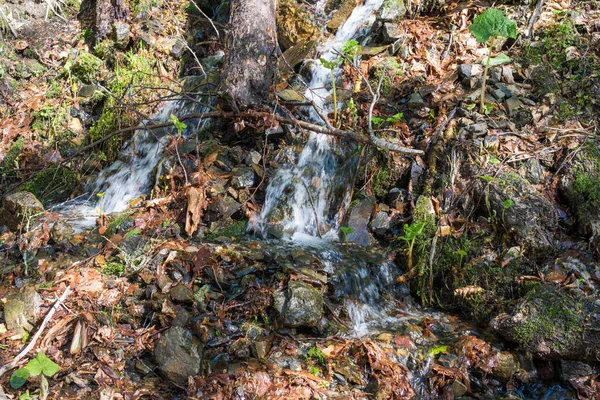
{"x": 306, "y": 199}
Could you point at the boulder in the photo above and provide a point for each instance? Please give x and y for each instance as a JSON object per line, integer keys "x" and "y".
{"x": 391, "y": 10}
{"x": 18, "y": 207}
{"x": 358, "y": 219}
{"x": 121, "y": 32}
{"x": 506, "y": 367}
{"x": 243, "y": 178}
{"x": 178, "y": 354}
{"x": 294, "y": 24}
{"x": 299, "y": 305}
{"x": 380, "y": 224}
{"x": 341, "y": 15}
{"x": 61, "y": 233}
{"x": 21, "y": 310}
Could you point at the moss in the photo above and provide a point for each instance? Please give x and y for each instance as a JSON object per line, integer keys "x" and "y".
{"x": 393, "y": 72}
{"x": 553, "y": 316}
{"x": 381, "y": 182}
{"x": 12, "y": 156}
{"x": 86, "y": 67}
{"x": 50, "y": 120}
{"x": 586, "y": 187}
{"x": 116, "y": 223}
{"x": 233, "y": 229}
{"x": 113, "y": 268}
{"x": 51, "y": 185}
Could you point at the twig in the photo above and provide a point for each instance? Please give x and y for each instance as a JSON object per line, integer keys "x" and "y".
{"x": 534, "y": 18}
{"x": 7, "y": 367}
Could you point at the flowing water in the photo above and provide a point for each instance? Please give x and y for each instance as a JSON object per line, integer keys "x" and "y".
{"x": 310, "y": 197}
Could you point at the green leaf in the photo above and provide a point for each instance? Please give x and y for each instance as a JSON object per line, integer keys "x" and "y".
{"x": 180, "y": 126}
{"x": 377, "y": 121}
{"x": 500, "y": 59}
{"x": 133, "y": 232}
{"x": 494, "y": 161}
{"x": 439, "y": 349}
{"x": 507, "y": 204}
{"x": 18, "y": 378}
{"x": 395, "y": 118}
{"x": 461, "y": 252}
{"x": 492, "y": 23}
{"x": 346, "y": 230}
{"x": 330, "y": 64}
{"x": 42, "y": 364}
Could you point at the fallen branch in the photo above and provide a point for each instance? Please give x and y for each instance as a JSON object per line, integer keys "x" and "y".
{"x": 11, "y": 365}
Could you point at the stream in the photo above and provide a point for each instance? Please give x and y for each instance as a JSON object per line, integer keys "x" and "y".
{"x": 304, "y": 208}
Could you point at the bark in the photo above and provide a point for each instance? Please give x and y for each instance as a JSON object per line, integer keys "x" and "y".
{"x": 99, "y": 15}
{"x": 251, "y": 60}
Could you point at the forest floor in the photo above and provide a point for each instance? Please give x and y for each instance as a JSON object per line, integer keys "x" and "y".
{"x": 513, "y": 192}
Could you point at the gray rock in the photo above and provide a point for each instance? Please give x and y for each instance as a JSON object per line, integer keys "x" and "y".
{"x": 391, "y": 32}
{"x": 178, "y": 48}
{"x": 380, "y": 225}
{"x": 570, "y": 369}
{"x": 121, "y": 32}
{"x": 358, "y": 220}
{"x": 391, "y": 10}
{"x": 468, "y": 71}
{"x": 416, "y": 101}
{"x": 18, "y": 207}
{"x": 182, "y": 294}
{"x": 535, "y": 171}
{"x": 178, "y": 354}
{"x": 479, "y": 129}
{"x": 61, "y": 232}
{"x": 506, "y": 367}
{"x": 87, "y": 91}
{"x": 512, "y": 104}
{"x": 498, "y": 94}
{"x": 22, "y": 309}
{"x": 492, "y": 143}
{"x": 243, "y": 178}
{"x": 299, "y": 305}
{"x": 253, "y": 157}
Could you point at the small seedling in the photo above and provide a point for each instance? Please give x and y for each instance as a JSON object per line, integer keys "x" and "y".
{"x": 505, "y": 206}
{"x": 316, "y": 354}
{"x": 462, "y": 254}
{"x": 331, "y": 66}
{"x": 377, "y": 121}
{"x": 346, "y": 230}
{"x": 180, "y": 126}
{"x": 411, "y": 233}
{"x": 395, "y": 118}
{"x": 40, "y": 366}
{"x": 486, "y": 27}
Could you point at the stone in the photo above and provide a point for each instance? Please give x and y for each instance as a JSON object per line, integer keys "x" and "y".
{"x": 458, "y": 389}
{"x": 391, "y": 10}
{"x": 571, "y": 369}
{"x": 88, "y": 91}
{"x": 182, "y": 294}
{"x": 468, "y": 71}
{"x": 535, "y": 171}
{"x": 177, "y": 49}
{"x": 492, "y": 143}
{"x": 512, "y": 104}
{"x": 416, "y": 101}
{"x": 392, "y": 32}
{"x": 358, "y": 219}
{"x": 121, "y": 32}
{"x": 178, "y": 354}
{"x": 341, "y": 15}
{"x": 506, "y": 367}
{"x": 295, "y": 55}
{"x": 243, "y": 178}
{"x": 253, "y": 157}
{"x": 225, "y": 206}
{"x": 299, "y": 305}
{"x": 61, "y": 233}
{"x": 18, "y": 207}
{"x": 21, "y": 310}
{"x": 498, "y": 94}
{"x": 478, "y": 129}
{"x": 380, "y": 225}
{"x": 294, "y": 24}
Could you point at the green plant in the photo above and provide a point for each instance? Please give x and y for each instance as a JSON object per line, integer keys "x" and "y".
{"x": 316, "y": 354}
{"x": 180, "y": 126}
{"x": 40, "y": 366}
{"x": 346, "y": 230}
{"x": 395, "y": 118}
{"x": 505, "y": 206}
{"x": 486, "y": 27}
{"x": 351, "y": 49}
{"x": 377, "y": 121}
{"x": 113, "y": 268}
{"x": 411, "y": 233}
{"x": 331, "y": 66}
{"x": 314, "y": 370}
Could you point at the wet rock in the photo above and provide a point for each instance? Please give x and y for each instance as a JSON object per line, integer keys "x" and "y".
{"x": 380, "y": 225}
{"x": 223, "y": 207}
{"x": 294, "y": 56}
{"x": 570, "y": 369}
{"x": 391, "y": 32}
{"x": 458, "y": 389}
{"x": 21, "y": 310}
{"x": 18, "y": 207}
{"x": 358, "y": 220}
{"x": 243, "y": 178}
{"x": 294, "y": 24}
{"x": 299, "y": 305}
{"x": 391, "y": 10}
{"x": 121, "y": 32}
{"x": 470, "y": 70}
{"x": 506, "y": 367}
{"x": 535, "y": 171}
{"x": 178, "y": 354}
{"x": 253, "y": 157}
{"x": 341, "y": 15}
{"x": 522, "y": 210}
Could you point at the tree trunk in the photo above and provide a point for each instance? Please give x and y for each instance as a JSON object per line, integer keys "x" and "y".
{"x": 251, "y": 59}
{"x": 99, "y": 16}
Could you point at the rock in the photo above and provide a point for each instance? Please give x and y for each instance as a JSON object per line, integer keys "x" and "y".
{"x": 224, "y": 207}
{"x": 182, "y": 294}
{"x": 299, "y": 305}
{"x": 551, "y": 324}
{"x": 253, "y": 157}
{"x": 458, "y": 389}
{"x": 497, "y": 94}
{"x": 88, "y": 91}
{"x": 294, "y": 24}
{"x": 391, "y": 10}
{"x": 479, "y": 129}
{"x": 341, "y": 15}
{"x": 380, "y": 225}
{"x": 468, "y": 71}
{"x": 535, "y": 171}
{"x": 21, "y": 310}
{"x": 415, "y": 101}
{"x": 243, "y": 178}
{"x": 18, "y": 207}
{"x": 61, "y": 233}
{"x": 178, "y": 354}
{"x": 177, "y": 49}
{"x": 295, "y": 55}
{"x": 491, "y": 143}
{"x": 529, "y": 217}
{"x": 571, "y": 369}
{"x": 512, "y": 104}
{"x": 392, "y": 32}
{"x": 506, "y": 367}
{"x": 358, "y": 220}
{"x": 121, "y": 32}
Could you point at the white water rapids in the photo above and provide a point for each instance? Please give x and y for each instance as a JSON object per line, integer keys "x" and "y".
{"x": 299, "y": 198}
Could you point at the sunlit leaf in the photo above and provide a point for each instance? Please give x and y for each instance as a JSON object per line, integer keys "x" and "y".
{"x": 492, "y": 23}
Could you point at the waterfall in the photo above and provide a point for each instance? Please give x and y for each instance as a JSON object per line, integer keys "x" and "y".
{"x": 308, "y": 199}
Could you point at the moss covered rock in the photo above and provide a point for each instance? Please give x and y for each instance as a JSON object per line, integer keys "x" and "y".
{"x": 294, "y": 24}
{"x": 18, "y": 207}
{"x": 300, "y": 305}
{"x": 52, "y": 185}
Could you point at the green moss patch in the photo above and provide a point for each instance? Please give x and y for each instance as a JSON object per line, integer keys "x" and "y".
{"x": 52, "y": 185}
